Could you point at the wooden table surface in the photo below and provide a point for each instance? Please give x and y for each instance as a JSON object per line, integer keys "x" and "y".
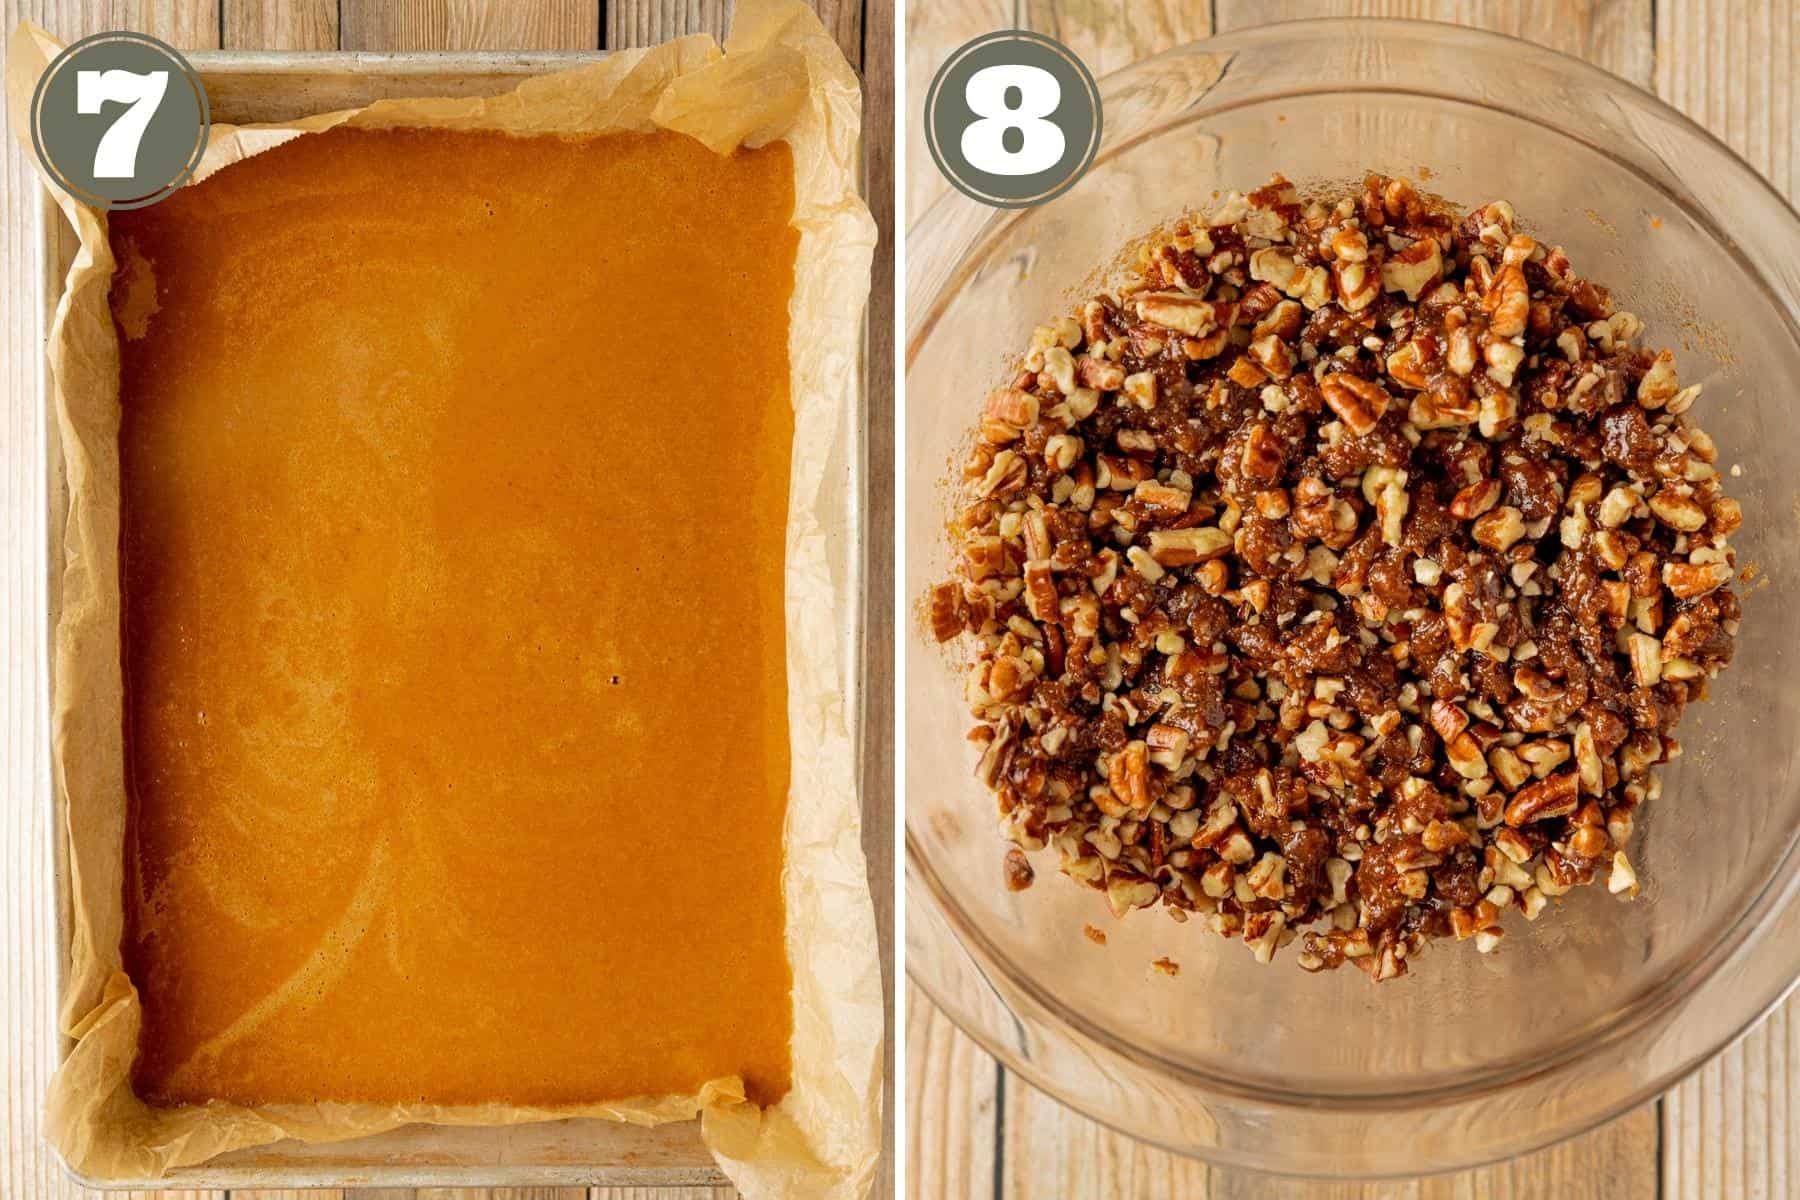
{"x": 1731, "y": 1131}
{"x": 864, "y": 28}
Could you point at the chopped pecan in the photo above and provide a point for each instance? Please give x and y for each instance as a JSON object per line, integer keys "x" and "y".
{"x": 1263, "y": 646}
{"x": 1687, "y": 581}
{"x": 1358, "y": 402}
{"x": 1017, "y": 867}
{"x": 1183, "y": 547}
{"x": 1178, "y": 311}
{"x": 1556, "y": 796}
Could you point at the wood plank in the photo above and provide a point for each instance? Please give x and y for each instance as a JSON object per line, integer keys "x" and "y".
{"x": 647, "y": 22}
{"x": 285, "y": 1194}
{"x": 27, "y": 1003}
{"x": 1615, "y": 1162}
{"x": 279, "y": 24}
{"x": 1733, "y": 1129}
{"x": 27, "y": 1008}
{"x": 1109, "y": 34}
{"x": 671, "y": 1193}
{"x": 463, "y": 25}
{"x": 878, "y": 775}
{"x": 184, "y": 24}
{"x": 1051, "y": 1151}
{"x": 1614, "y": 34}
{"x": 1731, "y": 66}
{"x": 933, "y": 29}
{"x": 953, "y": 1104}
{"x": 499, "y": 1193}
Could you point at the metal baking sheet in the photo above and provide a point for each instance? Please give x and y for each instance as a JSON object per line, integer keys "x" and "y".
{"x": 249, "y": 86}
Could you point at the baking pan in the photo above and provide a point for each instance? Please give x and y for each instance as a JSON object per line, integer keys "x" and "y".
{"x": 245, "y": 87}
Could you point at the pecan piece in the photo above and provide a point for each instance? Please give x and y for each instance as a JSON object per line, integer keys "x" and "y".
{"x": 1557, "y": 796}
{"x": 1358, "y": 402}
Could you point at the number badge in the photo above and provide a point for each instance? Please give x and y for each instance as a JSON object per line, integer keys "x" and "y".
{"x": 119, "y": 120}
{"x": 1013, "y": 119}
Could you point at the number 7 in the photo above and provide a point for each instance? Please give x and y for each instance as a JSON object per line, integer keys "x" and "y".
{"x": 116, "y": 155}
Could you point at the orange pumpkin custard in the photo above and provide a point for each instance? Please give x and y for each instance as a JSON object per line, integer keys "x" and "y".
{"x": 454, "y": 497}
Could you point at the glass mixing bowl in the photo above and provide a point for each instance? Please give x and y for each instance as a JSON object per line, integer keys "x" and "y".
{"x": 1599, "y": 1005}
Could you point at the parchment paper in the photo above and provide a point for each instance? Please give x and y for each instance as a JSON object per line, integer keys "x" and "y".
{"x": 779, "y": 77}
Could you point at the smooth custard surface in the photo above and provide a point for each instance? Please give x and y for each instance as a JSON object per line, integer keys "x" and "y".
{"x": 454, "y": 494}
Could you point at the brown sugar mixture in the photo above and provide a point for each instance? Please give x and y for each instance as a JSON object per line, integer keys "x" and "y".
{"x": 1346, "y": 573}
{"x": 454, "y": 495}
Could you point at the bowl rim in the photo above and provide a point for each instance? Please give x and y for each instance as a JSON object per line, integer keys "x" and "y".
{"x": 1658, "y": 1004}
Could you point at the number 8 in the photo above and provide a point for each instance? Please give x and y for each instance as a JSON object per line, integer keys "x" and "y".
{"x": 983, "y": 142}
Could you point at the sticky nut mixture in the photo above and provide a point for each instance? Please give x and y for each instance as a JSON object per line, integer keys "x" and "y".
{"x": 1347, "y": 572}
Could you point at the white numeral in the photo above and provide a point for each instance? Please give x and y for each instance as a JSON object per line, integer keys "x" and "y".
{"x": 116, "y": 155}
{"x": 1041, "y": 142}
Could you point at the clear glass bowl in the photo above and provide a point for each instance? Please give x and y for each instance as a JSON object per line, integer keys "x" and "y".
{"x": 1599, "y": 1005}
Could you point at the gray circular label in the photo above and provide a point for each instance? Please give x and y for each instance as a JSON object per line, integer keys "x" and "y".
{"x": 1013, "y": 118}
{"x": 119, "y": 120}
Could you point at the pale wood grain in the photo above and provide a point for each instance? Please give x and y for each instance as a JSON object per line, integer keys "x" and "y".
{"x": 1614, "y": 34}
{"x": 1733, "y": 1129}
{"x": 465, "y": 1193}
{"x": 525, "y": 1193}
{"x": 26, "y": 1167}
{"x": 469, "y": 25}
{"x": 184, "y": 24}
{"x": 1614, "y": 1162}
{"x": 646, "y": 22}
{"x": 499, "y": 1193}
{"x": 1109, "y": 34}
{"x": 279, "y": 24}
{"x": 286, "y": 1194}
{"x": 676, "y": 1193}
{"x": 1051, "y": 1151}
{"x": 953, "y": 1095}
{"x": 550, "y": 1193}
{"x": 27, "y": 1014}
{"x": 933, "y": 29}
{"x": 1735, "y": 68}
{"x": 878, "y": 774}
